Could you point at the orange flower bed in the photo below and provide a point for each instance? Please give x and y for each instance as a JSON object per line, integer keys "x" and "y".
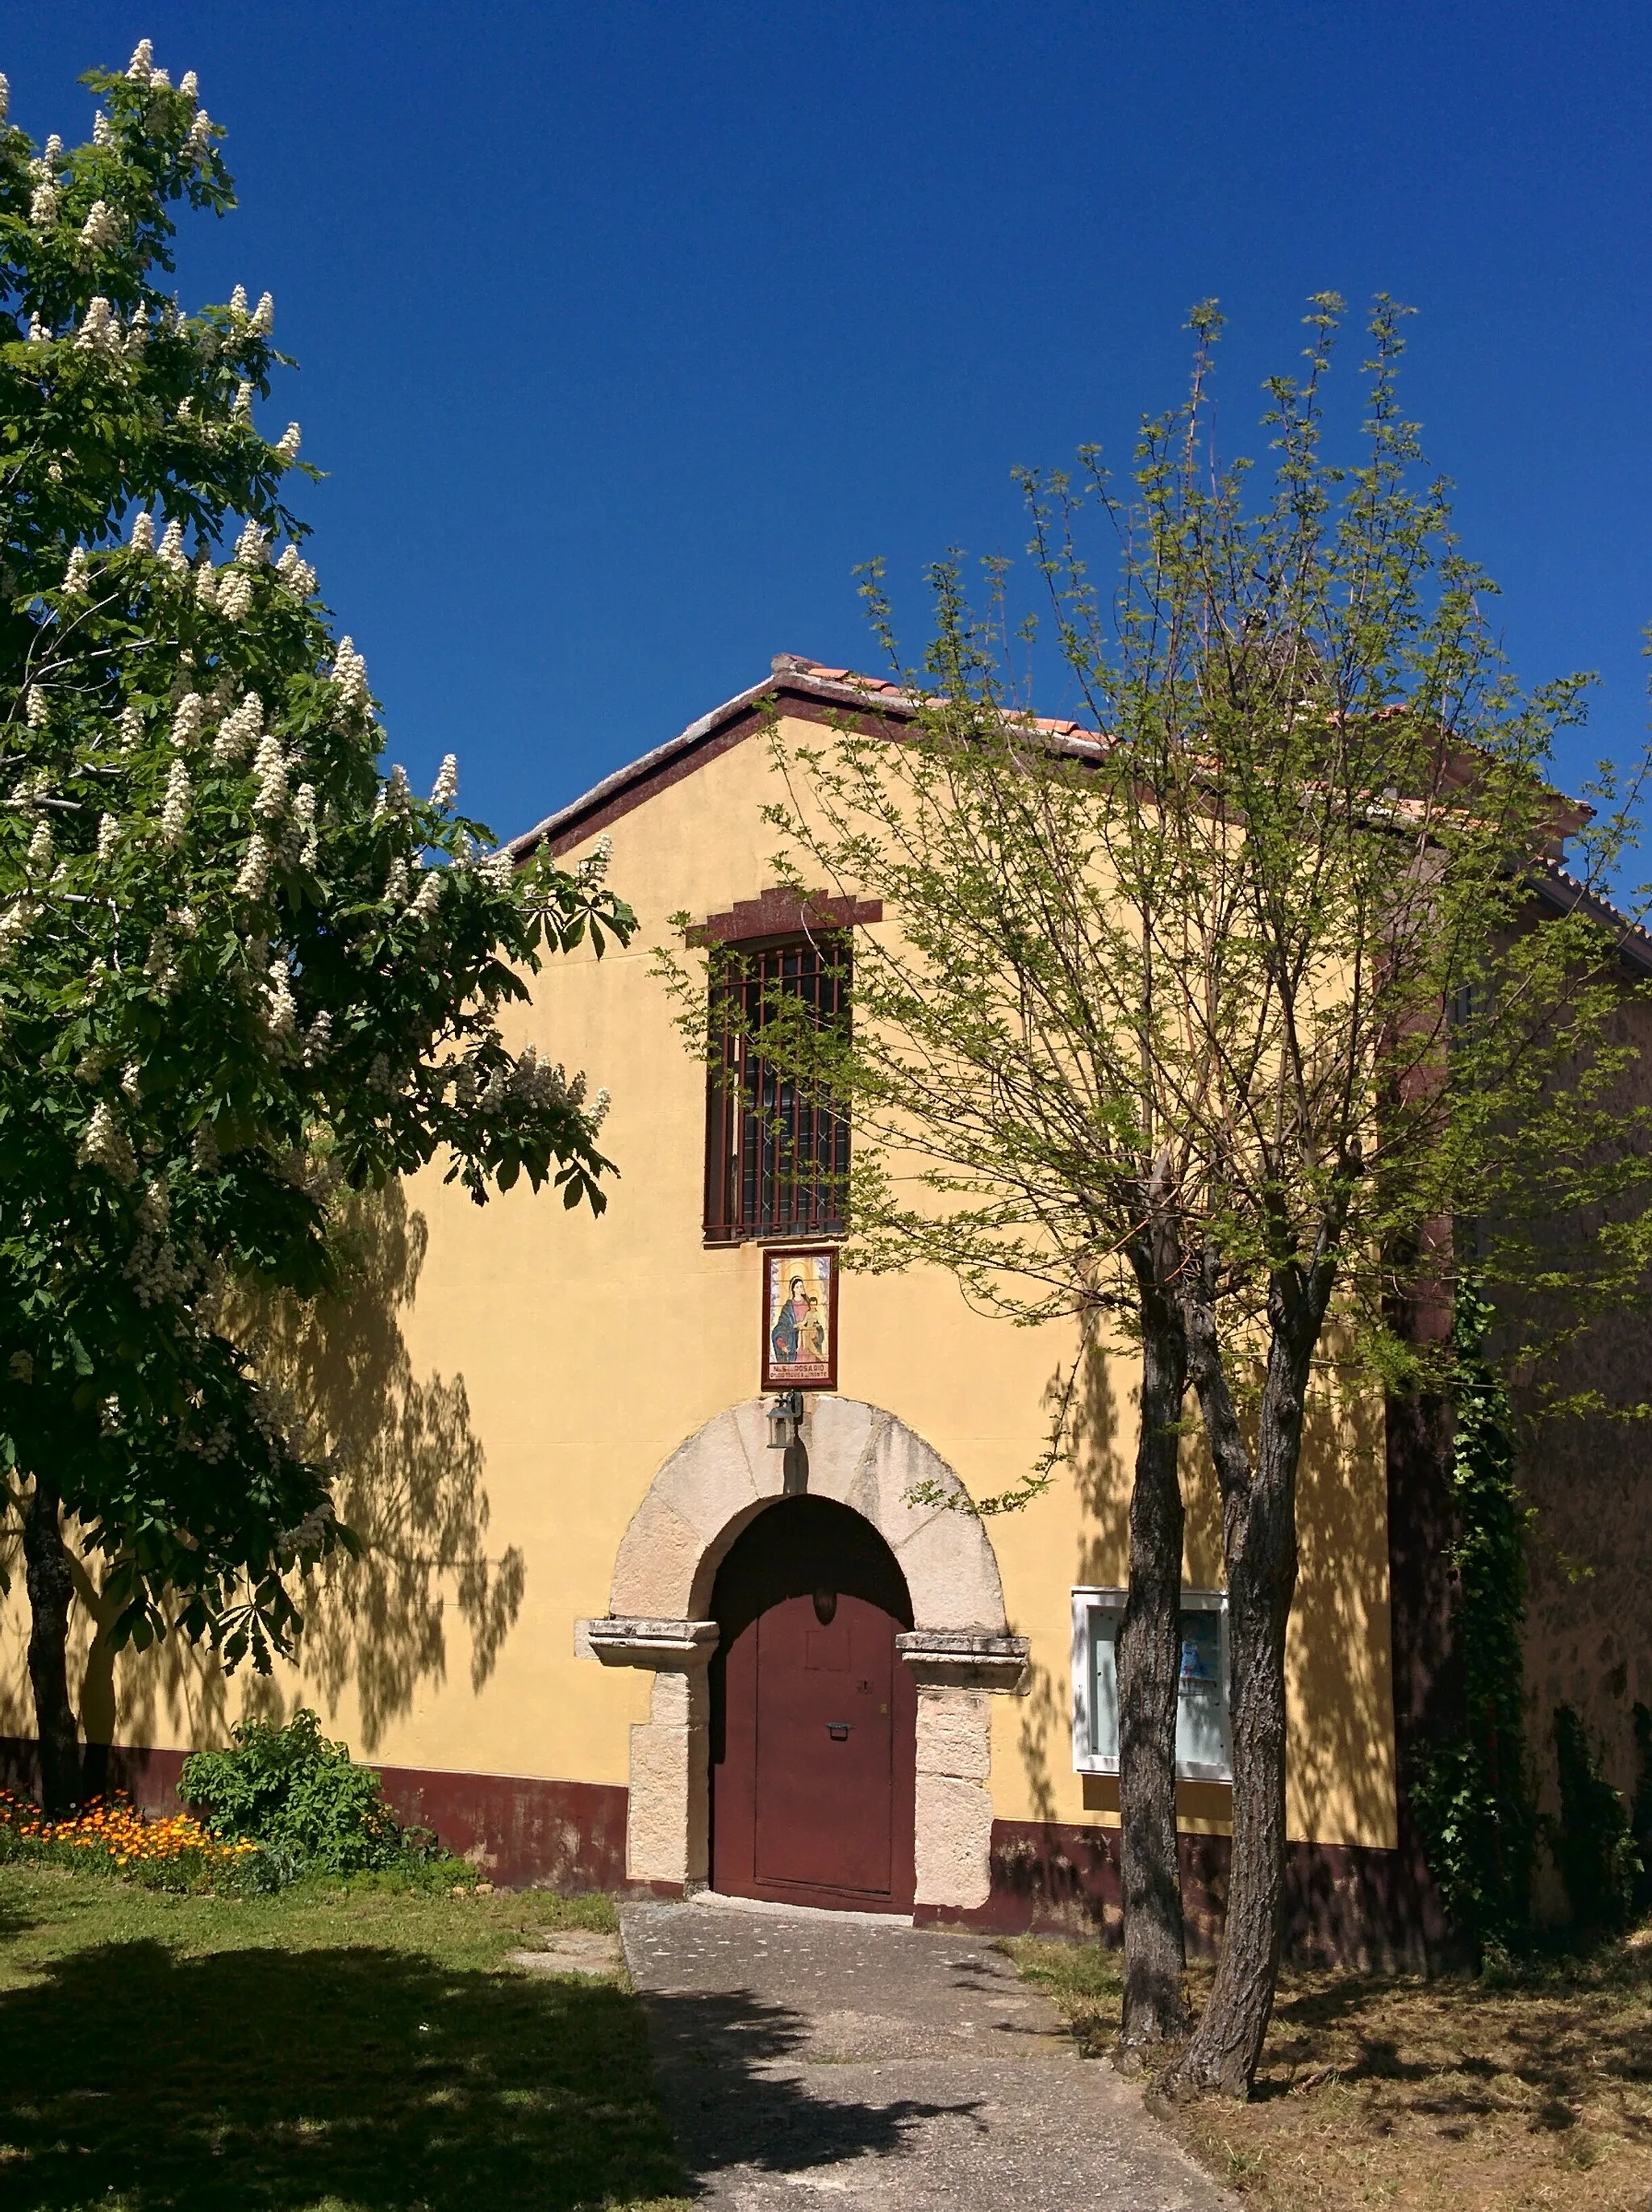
{"x": 115, "y": 1831}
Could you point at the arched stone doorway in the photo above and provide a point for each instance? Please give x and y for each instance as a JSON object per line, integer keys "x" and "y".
{"x": 958, "y": 1650}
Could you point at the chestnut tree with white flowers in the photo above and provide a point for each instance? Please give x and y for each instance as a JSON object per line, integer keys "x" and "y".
{"x": 240, "y": 969}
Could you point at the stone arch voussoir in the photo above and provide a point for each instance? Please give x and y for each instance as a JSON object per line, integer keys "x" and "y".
{"x": 716, "y": 1483}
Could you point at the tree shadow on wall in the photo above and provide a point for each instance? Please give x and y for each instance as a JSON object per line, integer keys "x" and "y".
{"x": 1100, "y": 1482}
{"x": 408, "y": 1481}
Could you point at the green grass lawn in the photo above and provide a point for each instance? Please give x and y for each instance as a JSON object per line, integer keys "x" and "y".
{"x": 320, "y": 2051}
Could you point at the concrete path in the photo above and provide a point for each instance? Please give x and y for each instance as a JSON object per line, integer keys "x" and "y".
{"x": 835, "y": 2059}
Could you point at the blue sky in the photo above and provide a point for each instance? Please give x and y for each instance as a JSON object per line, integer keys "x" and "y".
{"x": 628, "y": 330}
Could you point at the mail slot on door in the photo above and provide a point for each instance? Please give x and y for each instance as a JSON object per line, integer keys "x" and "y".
{"x": 838, "y": 1730}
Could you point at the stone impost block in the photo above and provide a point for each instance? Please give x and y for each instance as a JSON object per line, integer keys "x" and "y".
{"x": 627, "y": 1640}
{"x": 965, "y": 1658}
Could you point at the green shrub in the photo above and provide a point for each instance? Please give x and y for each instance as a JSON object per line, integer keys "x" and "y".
{"x": 290, "y": 1789}
{"x": 1591, "y": 1841}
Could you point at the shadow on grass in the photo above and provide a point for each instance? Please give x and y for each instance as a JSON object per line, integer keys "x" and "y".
{"x": 727, "y": 2113}
{"x": 1568, "y": 2036}
{"x": 261, "y": 2078}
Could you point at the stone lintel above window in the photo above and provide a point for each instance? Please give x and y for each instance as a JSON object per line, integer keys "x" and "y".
{"x": 780, "y": 913}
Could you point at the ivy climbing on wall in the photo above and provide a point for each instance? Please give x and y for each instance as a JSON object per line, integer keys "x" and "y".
{"x": 1472, "y": 1789}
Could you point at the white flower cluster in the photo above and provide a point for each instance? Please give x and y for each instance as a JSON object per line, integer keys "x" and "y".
{"x": 206, "y": 581}
{"x": 34, "y": 708}
{"x": 131, "y": 728}
{"x": 281, "y": 1015}
{"x": 77, "y": 574}
{"x": 170, "y": 550}
{"x": 174, "y": 811}
{"x": 99, "y": 331}
{"x": 597, "y": 1113}
{"x": 101, "y": 134}
{"x": 253, "y": 546}
{"x": 204, "y": 1149}
{"x": 445, "y": 790}
{"x": 38, "y": 334}
{"x": 264, "y": 316}
{"x": 235, "y": 596}
{"x": 299, "y": 840}
{"x": 498, "y": 870}
{"x": 239, "y": 730}
{"x": 153, "y": 1271}
{"x": 189, "y": 85}
{"x": 16, "y": 922}
{"x": 5, "y": 98}
{"x": 106, "y": 1145}
{"x": 296, "y": 574}
{"x": 160, "y": 968}
{"x": 255, "y": 871}
{"x": 132, "y": 1076}
{"x": 379, "y": 1076}
{"x": 396, "y": 882}
{"x": 155, "y": 1206}
{"x": 594, "y": 867}
{"x": 350, "y": 674}
{"x": 318, "y": 1039}
{"x": 394, "y": 796}
{"x": 40, "y": 849}
{"x": 102, "y": 227}
{"x": 288, "y": 443}
{"x": 43, "y": 206}
{"x": 527, "y": 1078}
{"x": 143, "y": 531}
{"x": 270, "y": 765}
{"x": 141, "y": 68}
{"x": 186, "y": 721}
{"x": 198, "y": 144}
{"x": 238, "y": 300}
{"x": 428, "y": 897}
{"x": 108, "y": 836}
{"x": 307, "y": 1535}
{"x": 242, "y": 409}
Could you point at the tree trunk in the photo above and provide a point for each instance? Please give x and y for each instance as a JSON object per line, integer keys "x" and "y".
{"x": 1259, "y": 1531}
{"x": 1148, "y": 1653}
{"x": 50, "y": 1584}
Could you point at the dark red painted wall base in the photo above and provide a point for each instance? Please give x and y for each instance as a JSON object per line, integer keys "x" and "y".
{"x": 1347, "y": 1904}
{"x": 517, "y": 1830}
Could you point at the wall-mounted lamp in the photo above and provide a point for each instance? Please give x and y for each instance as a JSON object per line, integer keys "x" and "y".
{"x": 784, "y": 1421}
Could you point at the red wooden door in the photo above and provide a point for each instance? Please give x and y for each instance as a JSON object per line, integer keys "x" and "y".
{"x": 814, "y": 1716}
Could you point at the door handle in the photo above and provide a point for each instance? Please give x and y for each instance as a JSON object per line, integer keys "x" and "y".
{"x": 838, "y": 1730}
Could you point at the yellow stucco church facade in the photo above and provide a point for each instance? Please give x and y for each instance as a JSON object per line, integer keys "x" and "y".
{"x": 610, "y": 1631}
